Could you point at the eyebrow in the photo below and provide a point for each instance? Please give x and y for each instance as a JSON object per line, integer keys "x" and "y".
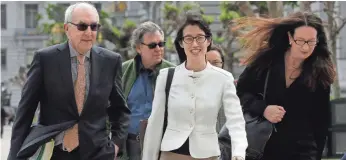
{"x": 216, "y": 60}
{"x": 307, "y": 40}
{"x": 88, "y": 23}
{"x": 197, "y": 35}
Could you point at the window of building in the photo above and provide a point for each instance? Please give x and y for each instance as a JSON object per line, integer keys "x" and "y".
{"x": 98, "y": 7}
{"x": 3, "y": 58}
{"x": 59, "y": 15}
{"x": 29, "y": 55}
{"x": 3, "y": 16}
{"x": 31, "y": 11}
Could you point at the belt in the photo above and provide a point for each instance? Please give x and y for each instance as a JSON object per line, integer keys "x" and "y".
{"x": 133, "y": 136}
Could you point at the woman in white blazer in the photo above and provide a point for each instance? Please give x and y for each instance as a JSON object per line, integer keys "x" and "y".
{"x": 197, "y": 92}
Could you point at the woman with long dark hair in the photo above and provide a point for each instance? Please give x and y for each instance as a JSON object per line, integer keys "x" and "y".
{"x": 197, "y": 92}
{"x": 294, "y": 49}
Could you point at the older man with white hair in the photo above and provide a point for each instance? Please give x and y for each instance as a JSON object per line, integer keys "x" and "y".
{"x": 78, "y": 86}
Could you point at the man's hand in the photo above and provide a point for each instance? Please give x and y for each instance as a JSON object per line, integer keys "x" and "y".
{"x": 116, "y": 151}
{"x": 274, "y": 113}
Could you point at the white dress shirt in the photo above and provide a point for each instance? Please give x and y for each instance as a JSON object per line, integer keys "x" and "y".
{"x": 194, "y": 101}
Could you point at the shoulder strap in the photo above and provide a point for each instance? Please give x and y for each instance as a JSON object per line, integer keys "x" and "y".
{"x": 266, "y": 84}
{"x": 167, "y": 89}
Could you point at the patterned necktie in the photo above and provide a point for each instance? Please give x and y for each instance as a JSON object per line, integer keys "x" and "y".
{"x": 71, "y": 140}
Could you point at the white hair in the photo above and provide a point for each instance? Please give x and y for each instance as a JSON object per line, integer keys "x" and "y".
{"x": 85, "y": 5}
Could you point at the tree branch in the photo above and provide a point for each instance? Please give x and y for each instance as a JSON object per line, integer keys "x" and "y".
{"x": 343, "y": 23}
{"x": 245, "y": 7}
{"x": 236, "y": 50}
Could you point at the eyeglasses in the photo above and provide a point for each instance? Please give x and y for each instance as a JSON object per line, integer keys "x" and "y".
{"x": 153, "y": 44}
{"x": 199, "y": 39}
{"x": 216, "y": 63}
{"x": 302, "y": 42}
{"x": 83, "y": 26}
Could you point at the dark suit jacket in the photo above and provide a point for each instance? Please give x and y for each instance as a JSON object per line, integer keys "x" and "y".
{"x": 49, "y": 81}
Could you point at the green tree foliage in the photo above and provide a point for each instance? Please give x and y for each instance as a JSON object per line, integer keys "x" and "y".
{"x": 174, "y": 14}
{"x": 231, "y": 10}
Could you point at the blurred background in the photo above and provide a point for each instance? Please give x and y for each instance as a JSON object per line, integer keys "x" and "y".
{"x": 28, "y": 25}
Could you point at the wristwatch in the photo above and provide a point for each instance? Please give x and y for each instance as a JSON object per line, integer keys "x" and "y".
{"x": 238, "y": 158}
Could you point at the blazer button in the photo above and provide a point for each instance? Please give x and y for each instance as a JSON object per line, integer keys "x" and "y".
{"x": 192, "y": 96}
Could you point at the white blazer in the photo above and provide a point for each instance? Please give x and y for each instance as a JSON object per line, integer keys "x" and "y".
{"x": 193, "y": 105}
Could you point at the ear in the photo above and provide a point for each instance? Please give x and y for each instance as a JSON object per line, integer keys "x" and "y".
{"x": 138, "y": 49}
{"x": 66, "y": 29}
{"x": 209, "y": 41}
{"x": 181, "y": 44}
{"x": 290, "y": 38}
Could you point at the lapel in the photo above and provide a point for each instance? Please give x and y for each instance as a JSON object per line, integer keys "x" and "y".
{"x": 129, "y": 78}
{"x": 66, "y": 75}
{"x": 97, "y": 63}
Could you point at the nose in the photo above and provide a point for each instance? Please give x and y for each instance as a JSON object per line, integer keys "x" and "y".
{"x": 305, "y": 47}
{"x": 88, "y": 30}
{"x": 194, "y": 42}
{"x": 157, "y": 48}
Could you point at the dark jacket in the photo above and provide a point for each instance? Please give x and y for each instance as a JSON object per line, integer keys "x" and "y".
{"x": 50, "y": 83}
{"x": 301, "y": 134}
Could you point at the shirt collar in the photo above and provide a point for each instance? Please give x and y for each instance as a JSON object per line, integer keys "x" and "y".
{"x": 73, "y": 52}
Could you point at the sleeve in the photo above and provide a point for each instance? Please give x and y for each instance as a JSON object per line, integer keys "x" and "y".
{"x": 118, "y": 112}
{"x": 246, "y": 90}
{"x": 321, "y": 118}
{"x": 235, "y": 120}
{"x": 153, "y": 134}
{"x": 27, "y": 106}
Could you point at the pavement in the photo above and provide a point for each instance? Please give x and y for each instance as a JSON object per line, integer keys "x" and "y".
{"x": 5, "y": 142}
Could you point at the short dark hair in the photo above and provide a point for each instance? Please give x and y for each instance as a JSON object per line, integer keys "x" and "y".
{"x": 192, "y": 18}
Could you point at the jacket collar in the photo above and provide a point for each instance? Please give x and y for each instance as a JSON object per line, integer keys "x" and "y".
{"x": 192, "y": 73}
{"x": 64, "y": 47}
{"x": 140, "y": 67}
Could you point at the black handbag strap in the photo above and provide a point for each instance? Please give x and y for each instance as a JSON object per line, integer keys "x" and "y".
{"x": 167, "y": 89}
{"x": 265, "y": 91}
{"x": 266, "y": 85}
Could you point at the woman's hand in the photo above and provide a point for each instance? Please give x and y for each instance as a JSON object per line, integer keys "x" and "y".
{"x": 116, "y": 151}
{"x": 274, "y": 113}
{"x": 237, "y": 158}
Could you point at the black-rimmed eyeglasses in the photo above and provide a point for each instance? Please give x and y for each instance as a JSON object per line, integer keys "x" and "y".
{"x": 302, "y": 42}
{"x": 199, "y": 39}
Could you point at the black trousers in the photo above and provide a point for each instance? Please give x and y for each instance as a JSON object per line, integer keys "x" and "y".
{"x": 59, "y": 154}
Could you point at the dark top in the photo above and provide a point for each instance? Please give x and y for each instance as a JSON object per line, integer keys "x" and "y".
{"x": 302, "y": 132}
{"x": 184, "y": 149}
